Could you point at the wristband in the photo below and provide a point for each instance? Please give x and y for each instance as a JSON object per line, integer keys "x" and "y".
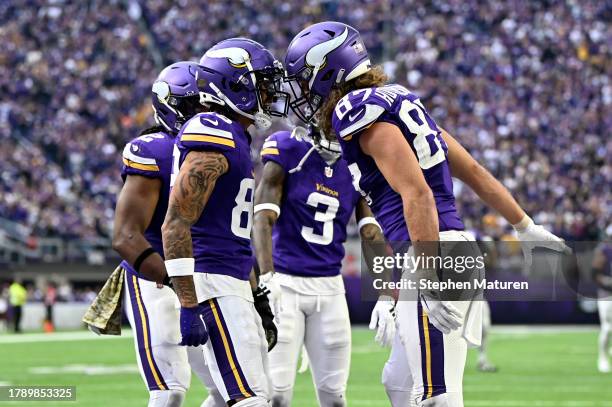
{"x": 368, "y": 220}
{"x": 523, "y": 224}
{"x": 145, "y": 253}
{"x": 269, "y": 206}
{"x": 180, "y": 267}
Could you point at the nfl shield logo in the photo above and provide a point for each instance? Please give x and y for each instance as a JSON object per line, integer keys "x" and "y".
{"x": 329, "y": 172}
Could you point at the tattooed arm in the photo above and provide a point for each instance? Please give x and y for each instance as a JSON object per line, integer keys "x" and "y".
{"x": 194, "y": 185}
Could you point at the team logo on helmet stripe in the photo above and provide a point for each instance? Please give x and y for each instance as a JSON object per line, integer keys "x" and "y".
{"x": 237, "y": 57}
{"x": 317, "y": 54}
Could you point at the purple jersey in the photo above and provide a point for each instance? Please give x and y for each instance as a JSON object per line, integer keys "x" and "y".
{"x": 150, "y": 155}
{"x": 394, "y": 104}
{"x": 222, "y": 235}
{"x": 317, "y": 204}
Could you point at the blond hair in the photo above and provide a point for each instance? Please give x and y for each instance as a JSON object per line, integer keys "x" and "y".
{"x": 374, "y": 77}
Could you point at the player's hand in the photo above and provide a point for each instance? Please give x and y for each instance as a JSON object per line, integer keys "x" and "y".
{"x": 262, "y": 305}
{"x": 383, "y": 320}
{"x": 442, "y": 314}
{"x": 193, "y": 329}
{"x": 532, "y": 236}
{"x": 268, "y": 282}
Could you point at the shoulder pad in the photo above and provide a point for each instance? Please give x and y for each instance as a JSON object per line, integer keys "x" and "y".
{"x": 275, "y": 142}
{"x": 210, "y": 129}
{"x": 143, "y": 152}
{"x": 356, "y": 111}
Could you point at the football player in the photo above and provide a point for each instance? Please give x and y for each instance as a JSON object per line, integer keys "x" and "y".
{"x": 603, "y": 277}
{"x": 206, "y": 232}
{"x": 401, "y": 161}
{"x": 302, "y": 207}
{"x": 141, "y": 207}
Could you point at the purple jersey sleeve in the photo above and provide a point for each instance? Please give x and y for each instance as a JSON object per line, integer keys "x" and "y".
{"x": 278, "y": 148}
{"x": 207, "y": 131}
{"x": 140, "y": 157}
{"x": 356, "y": 112}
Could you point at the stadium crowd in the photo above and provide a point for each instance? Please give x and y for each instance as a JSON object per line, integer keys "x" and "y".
{"x": 524, "y": 85}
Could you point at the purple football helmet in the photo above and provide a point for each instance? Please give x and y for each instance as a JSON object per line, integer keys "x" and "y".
{"x": 319, "y": 57}
{"x": 175, "y": 95}
{"x": 243, "y": 76}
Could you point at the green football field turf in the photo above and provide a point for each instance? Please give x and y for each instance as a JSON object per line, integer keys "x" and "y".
{"x": 540, "y": 368}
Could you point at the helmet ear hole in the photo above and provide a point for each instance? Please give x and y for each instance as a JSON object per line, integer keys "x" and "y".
{"x": 328, "y": 75}
{"x": 235, "y": 86}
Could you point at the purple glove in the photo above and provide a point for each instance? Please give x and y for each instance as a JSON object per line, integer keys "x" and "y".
{"x": 193, "y": 329}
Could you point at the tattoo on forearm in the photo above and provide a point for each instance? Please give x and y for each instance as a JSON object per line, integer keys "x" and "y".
{"x": 185, "y": 290}
{"x": 194, "y": 185}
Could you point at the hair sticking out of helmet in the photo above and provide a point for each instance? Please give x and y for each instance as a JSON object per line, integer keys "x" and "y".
{"x": 243, "y": 76}
{"x": 320, "y": 58}
{"x": 175, "y": 97}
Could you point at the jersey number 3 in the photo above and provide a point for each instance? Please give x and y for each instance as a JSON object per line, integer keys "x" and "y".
{"x": 326, "y": 217}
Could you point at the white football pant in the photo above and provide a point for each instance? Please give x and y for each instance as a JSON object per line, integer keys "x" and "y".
{"x": 435, "y": 361}
{"x": 154, "y": 319}
{"x": 320, "y": 323}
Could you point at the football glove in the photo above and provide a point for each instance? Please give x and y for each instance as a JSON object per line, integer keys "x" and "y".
{"x": 532, "y": 236}
{"x": 383, "y": 320}
{"x": 193, "y": 329}
{"x": 442, "y": 314}
{"x": 268, "y": 282}
{"x": 262, "y": 305}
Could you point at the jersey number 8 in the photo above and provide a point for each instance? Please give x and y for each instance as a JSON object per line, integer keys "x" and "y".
{"x": 244, "y": 200}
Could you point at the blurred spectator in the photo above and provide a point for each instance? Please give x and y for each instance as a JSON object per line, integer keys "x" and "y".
{"x": 50, "y": 299}
{"x": 18, "y": 298}
{"x": 524, "y": 85}
{"x": 4, "y": 307}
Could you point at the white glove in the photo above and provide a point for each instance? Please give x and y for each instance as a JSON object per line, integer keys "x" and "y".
{"x": 532, "y": 236}
{"x": 269, "y": 283}
{"x": 383, "y": 320}
{"x": 442, "y": 314}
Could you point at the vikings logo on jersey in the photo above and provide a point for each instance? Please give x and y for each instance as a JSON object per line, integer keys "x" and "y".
{"x": 395, "y": 104}
{"x": 317, "y": 204}
{"x": 221, "y": 237}
{"x": 150, "y": 155}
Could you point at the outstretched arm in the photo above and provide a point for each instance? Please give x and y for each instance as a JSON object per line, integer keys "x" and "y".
{"x": 489, "y": 189}
{"x": 194, "y": 185}
{"x": 495, "y": 195}
{"x": 267, "y": 209}
{"x": 135, "y": 208}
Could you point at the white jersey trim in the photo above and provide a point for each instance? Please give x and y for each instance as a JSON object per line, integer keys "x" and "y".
{"x": 372, "y": 112}
{"x": 128, "y": 155}
{"x": 196, "y": 127}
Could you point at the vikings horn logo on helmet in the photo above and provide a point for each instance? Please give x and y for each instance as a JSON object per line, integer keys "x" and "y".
{"x": 237, "y": 57}
{"x": 316, "y": 55}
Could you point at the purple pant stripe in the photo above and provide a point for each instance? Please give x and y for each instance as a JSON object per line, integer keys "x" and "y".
{"x": 436, "y": 354}
{"x": 221, "y": 353}
{"x": 139, "y": 324}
